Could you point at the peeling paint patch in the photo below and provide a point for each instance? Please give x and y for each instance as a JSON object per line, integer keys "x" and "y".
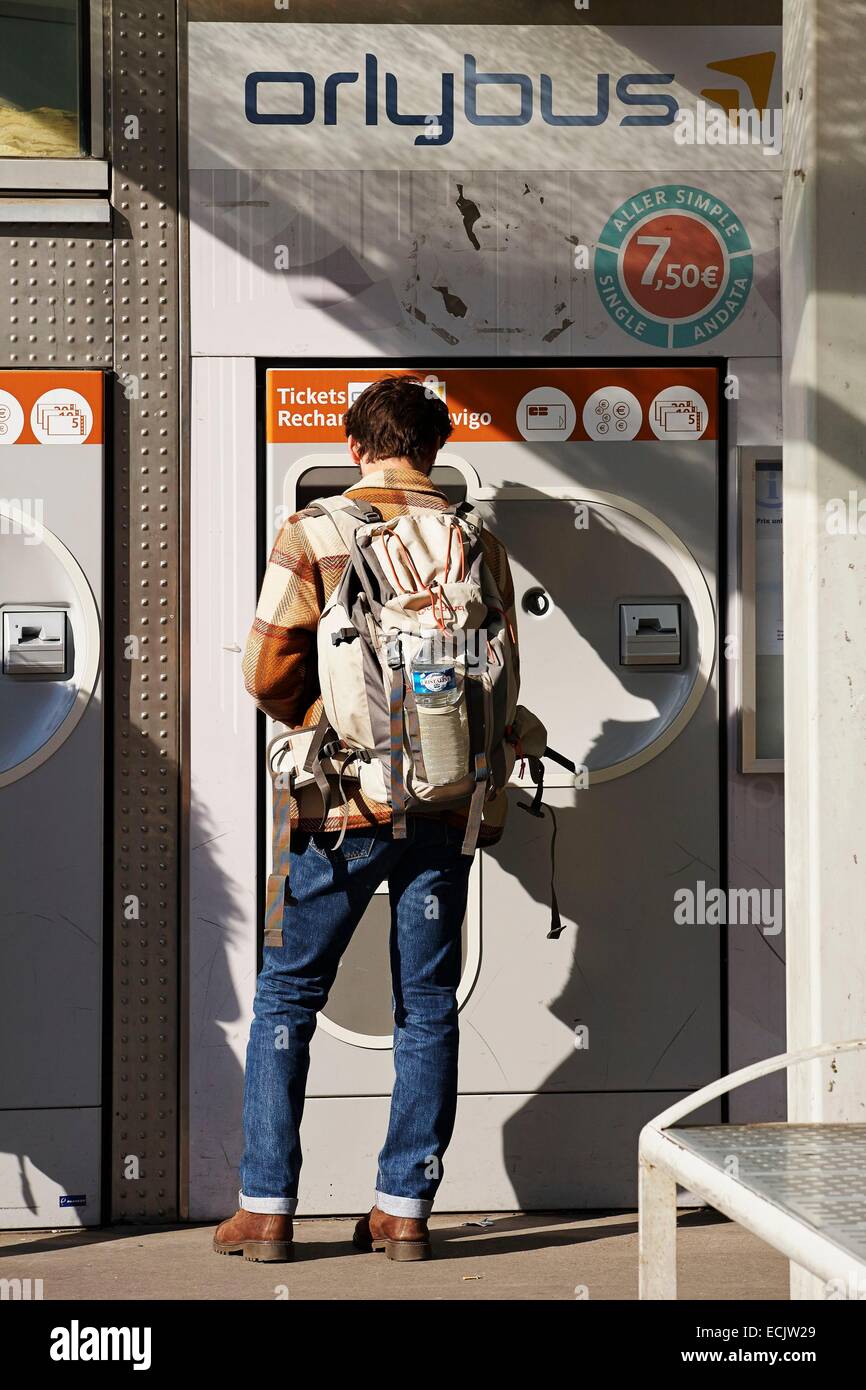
{"x": 470, "y": 213}
{"x": 453, "y": 303}
{"x": 445, "y": 335}
{"x": 555, "y": 332}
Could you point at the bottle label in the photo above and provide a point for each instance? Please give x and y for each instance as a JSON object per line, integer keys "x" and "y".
{"x": 434, "y": 682}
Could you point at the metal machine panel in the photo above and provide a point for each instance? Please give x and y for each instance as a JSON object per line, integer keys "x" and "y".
{"x": 51, "y": 795}
{"x": 223, "y": 917}
{"x": 493, "y": 1162}
{"x": 602, "y": 482}
{"x": 49, "y": 1168}
{"x": 756, "y": 828}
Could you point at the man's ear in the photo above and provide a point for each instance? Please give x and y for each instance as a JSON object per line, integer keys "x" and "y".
{"x": 354, "y": 451}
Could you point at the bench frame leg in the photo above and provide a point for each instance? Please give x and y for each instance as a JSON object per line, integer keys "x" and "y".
{"x": 657, "y": 1240}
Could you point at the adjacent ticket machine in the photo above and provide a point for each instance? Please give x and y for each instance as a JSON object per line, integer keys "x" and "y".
{"x": 51, "y": 797}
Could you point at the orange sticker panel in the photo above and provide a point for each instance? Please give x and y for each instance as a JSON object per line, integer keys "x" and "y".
{"x": 537, "y": 404}
{"x": 51, "y": 408}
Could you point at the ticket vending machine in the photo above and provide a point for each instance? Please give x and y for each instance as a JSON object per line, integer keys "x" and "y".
{"x": 51, "y": 797}
{"x": 603, "y": 484}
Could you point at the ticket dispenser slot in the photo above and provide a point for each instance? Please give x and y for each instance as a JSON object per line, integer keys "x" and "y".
{"x": 650, "y": 634}
{"x": 35, "y": 642}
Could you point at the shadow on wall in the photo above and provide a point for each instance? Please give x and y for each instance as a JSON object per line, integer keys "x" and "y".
{"x": 221, "y": 996}
{"x": 638, "y": 993}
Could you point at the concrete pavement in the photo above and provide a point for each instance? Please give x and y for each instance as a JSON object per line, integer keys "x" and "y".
{"x": 537, "y": 1256}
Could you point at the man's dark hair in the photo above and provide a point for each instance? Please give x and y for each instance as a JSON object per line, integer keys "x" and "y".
{"x": 398, "y": 417}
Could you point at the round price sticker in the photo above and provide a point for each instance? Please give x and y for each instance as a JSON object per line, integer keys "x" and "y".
{"x": 673, "y": 266}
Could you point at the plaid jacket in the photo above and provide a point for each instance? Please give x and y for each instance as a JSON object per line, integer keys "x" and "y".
{"x": 305, "y": 566}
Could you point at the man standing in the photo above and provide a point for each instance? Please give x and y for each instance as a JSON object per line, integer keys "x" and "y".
{"x": 394, "y": 429}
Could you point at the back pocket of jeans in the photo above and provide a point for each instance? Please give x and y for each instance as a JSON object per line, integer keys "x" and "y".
{"x": 353, "y": 847}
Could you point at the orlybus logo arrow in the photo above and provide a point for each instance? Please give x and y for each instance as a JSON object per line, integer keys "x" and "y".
{"x": 755, "y": 71}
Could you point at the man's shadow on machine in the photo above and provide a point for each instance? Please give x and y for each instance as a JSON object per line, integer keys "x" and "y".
{"x": 629, "y": 987}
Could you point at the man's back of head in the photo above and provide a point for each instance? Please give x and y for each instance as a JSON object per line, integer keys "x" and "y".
{"x": 397, "y": 421}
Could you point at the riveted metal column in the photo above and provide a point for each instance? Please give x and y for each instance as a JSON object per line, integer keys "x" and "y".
{"x": 146, "y": 632}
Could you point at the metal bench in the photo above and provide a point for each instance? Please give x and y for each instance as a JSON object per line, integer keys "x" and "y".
{"x": 799, "y": 1187}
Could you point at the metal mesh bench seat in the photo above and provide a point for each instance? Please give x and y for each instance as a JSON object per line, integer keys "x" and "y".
{"x": 799, "y": 1187}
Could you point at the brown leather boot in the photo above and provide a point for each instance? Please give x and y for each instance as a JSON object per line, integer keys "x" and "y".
{"x": 255, "y": 1235}
{"x": 401, "y": 1237}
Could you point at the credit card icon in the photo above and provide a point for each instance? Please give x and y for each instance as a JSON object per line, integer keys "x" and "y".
{"x": 355, "y": 388}
{"x": 545, "y": 417}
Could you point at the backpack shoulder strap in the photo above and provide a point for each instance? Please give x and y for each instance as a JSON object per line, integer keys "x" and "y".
{"x": 346, "y": 515}
{"x": 343, "y": 502}
{"x": 468, "y": 512}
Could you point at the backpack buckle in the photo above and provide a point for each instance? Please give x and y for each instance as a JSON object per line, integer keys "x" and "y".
{"x": 393, "y": 654}
{"x": 535, "y": 807}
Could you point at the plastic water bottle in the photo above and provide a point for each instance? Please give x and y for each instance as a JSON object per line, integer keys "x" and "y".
{"x": 438, "y": 689}
{"x": 434, "y": 677}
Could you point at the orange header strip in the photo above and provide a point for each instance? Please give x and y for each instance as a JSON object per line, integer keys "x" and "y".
{"x": 60, "y": 419}
{"x": 307, "y": 405}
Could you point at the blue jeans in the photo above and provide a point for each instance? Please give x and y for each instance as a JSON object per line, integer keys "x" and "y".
{"x": 330, "y": 889}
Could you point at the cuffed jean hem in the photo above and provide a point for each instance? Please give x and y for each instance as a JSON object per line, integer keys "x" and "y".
{"x": 269, "y": 1206}
{"x": 404, "y": 1206}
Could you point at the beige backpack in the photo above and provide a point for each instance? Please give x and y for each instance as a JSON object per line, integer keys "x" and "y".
{"x": 418, "y": 674}
{"x": 417, "y": 663}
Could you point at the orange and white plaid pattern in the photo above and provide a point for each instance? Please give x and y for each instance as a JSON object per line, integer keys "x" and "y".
{"x": 305, "y": 566}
